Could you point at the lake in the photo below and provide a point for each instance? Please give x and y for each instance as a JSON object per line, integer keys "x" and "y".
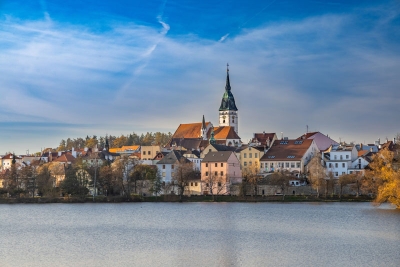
{"x": 199, "y": 234}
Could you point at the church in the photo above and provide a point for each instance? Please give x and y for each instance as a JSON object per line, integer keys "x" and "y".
{"x": 198, "y": 135}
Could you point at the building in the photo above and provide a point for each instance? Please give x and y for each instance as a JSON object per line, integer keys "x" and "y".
{"x": 250, "y": 158}
{"x": 290, "y": 155}
{"x": 219, "y": 172}
{"x": 322, "y": 141}
{"x": 191, "y": 136}
{"x": 339, "y": 158}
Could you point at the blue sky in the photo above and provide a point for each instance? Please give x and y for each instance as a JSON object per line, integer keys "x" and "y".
{"x": 77, "y": 68}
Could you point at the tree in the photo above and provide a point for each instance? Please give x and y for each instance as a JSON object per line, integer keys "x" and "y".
{"x": 157, "y": 184}
{"x": 215, "y": 184}
{"x": 251, "y": 179}
{"x": 317, "y": 172}
{"x": 91, "y": 143}
{"x": 280, "y": 179}
{"x": 105, "y": 180}
{"x": 45, "y": 182}
{"x": 344, "y": 180}
{"x": 183, "y": 174}
{"x": 141, "y": 175}
{"x": 386, "y": 177}
{"x": 72, "y": 184}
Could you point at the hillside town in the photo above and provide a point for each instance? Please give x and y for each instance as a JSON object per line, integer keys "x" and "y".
{"x": 199, "y": 158}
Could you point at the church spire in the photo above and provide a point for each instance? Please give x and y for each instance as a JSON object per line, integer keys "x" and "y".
{"x": 228, "y": 84}
{"x": 203, "y": 123}
{"x": 228, "y": 101}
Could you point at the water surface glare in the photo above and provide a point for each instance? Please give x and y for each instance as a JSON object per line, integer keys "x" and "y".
{"x": 199, "y": 234}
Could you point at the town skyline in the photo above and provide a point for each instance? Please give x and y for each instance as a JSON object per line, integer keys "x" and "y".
{"x": 73, "y": 71}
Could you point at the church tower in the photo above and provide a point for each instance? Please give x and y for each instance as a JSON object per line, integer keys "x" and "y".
{"x": 228, "y": 112}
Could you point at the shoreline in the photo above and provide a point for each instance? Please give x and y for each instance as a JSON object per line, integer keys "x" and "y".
{"x": 174, "y": 198}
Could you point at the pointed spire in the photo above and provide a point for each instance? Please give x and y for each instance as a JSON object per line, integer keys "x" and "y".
{"x": 107, "y": 146}
{"x": 228, "y": 101}
{"x": 228, "y": 84}
{"x": 212, "y": 139}
{"x": 203, "y": 123}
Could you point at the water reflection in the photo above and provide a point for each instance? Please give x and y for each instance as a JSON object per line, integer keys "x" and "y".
{"x": 199, "y": 234}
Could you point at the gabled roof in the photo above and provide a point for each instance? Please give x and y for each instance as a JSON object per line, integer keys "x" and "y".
{"x": 172, "y": 157}
{"x": 223, "y": 147}
{"x": 66, "y": 157}
{"x": 189, "y": 130}
{"x": 124, "y": 149}
{"x": 220, "y": 156}
{"x": 10, "y": 156}
{"x": 263, "y": 137}
{"x": 287, "y": 150}
{"x": 322, "y": 141}
{"x": 225, "y": 132}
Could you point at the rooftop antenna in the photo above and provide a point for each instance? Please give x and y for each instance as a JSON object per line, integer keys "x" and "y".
{"x": 307, "y": 128}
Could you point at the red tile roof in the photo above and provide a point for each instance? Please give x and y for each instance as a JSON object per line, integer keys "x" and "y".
{"x": 189, "y": 130}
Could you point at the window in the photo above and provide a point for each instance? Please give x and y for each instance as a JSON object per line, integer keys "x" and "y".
{"x": 298, "y": 142}
{"x": 191, "y": 184}
{"x": 195, "y": 184}
{"x": 250, "y": 163}
{"x": 271, "y": 157}
{"x": 172, "y": 166}
{"x": 233, "y": 121}
{"x": 206, "y": 164}
{"x": 287, "y": 164}
{"x": 335, "y": 157}
{"x": 343, "y": 173}
{"x": 330, "y": 165}
{"x": 272, "y": 165}
{"x": 336, "y": 174}
{"x": 245, "y": 163}
{"x": 262, "y": 165}
{"x": 209, "y": 150}
{"x": 283, "y": 143}
{"x": 297, "y": 164}
{"x": 256, "y": 155}
{"x": 222, "y": 173}
{"x": 341, "y": 157}
{"x": 359, "y": 160}
{"x": 163, "y": 166}
{"x": 222, "y": 164}
{"x": 144, "y": 152}
{"x": 216, "y": 164}
{"x": 206, "y": 173}
{"x": 244, "y": 155}
{"x": 292, "y": 164}
{"x": 219, "y": 184}
{"x": 223, "y": 121}
{"x": 163, "y": 174}
{"x": 148, "y": 152}
{"x": 336, "y": 165}
{"x": 347, "y": 156}
{"x": 351, "y": 172}
{"x": 250, "y": 155}
{"x": 216, "y": 173}
{"x": 344, "y": 165}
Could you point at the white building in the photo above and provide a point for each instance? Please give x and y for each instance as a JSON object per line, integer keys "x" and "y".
{"x": 339, "y": 159}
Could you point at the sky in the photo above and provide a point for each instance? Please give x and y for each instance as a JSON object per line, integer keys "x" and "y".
{"x": 78, "y": 68}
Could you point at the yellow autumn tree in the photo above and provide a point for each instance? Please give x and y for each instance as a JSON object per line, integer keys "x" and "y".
{"x": 386, "y": 177}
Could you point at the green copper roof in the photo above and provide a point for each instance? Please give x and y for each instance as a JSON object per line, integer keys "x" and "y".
{"x": 228, "y": 101}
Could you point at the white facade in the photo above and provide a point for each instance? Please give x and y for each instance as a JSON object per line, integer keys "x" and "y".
{"x": 229, "y": 118}
{"x": 340, "y": 160}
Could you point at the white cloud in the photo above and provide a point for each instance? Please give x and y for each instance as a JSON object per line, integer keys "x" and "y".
{"x": 322, "y": 71}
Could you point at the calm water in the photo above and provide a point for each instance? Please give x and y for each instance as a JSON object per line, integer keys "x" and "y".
{"x": 199, "y": 234}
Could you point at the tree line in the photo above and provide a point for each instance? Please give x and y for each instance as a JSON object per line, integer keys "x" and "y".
{"x": 147, "y": 139}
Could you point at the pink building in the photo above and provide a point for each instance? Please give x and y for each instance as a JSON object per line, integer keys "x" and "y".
{"x": 220, "y": 171}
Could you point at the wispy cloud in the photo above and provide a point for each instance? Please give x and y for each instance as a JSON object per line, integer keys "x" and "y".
{"x": 331, "y": 72}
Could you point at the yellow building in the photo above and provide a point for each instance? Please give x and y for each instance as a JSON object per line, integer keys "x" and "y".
{"x": 250, "y": 158}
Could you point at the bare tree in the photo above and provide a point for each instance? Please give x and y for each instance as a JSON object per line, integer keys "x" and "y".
{"x": 280, "y": 179}
{"x": 183, "y": 174}
{"x": 251, "y": 178}
{"x": 317, "y": 172}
